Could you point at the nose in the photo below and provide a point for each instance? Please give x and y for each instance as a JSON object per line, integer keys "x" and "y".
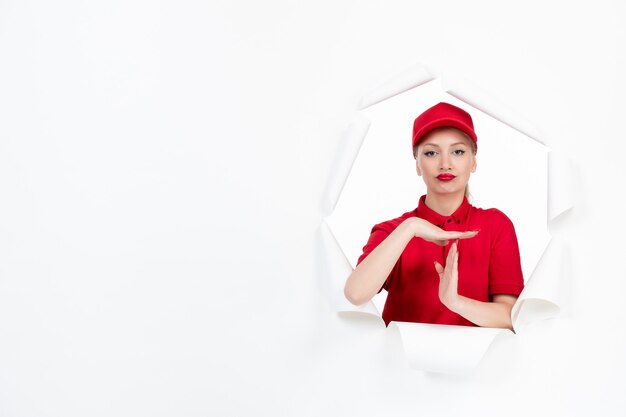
{"x": 445, "y": 162}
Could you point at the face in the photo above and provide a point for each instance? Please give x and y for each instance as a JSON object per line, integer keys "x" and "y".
{"x": 445, "y": 159}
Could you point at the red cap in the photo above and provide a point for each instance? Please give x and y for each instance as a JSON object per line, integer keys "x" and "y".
{"x": 443, "y": 114}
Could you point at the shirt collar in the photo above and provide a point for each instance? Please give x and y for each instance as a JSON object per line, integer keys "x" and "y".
{"x": 459, "y": 216}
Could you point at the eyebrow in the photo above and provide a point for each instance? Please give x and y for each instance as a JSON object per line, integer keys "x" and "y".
{"x": 437, "y": 146}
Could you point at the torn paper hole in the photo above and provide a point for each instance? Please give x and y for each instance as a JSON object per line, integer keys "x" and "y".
{"x": 381, "y": 178}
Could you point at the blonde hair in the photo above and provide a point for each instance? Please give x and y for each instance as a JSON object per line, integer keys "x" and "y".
{"x": 472, "y": 145}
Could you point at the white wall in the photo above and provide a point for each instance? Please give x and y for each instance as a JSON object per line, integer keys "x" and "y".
{"x": 162, "y": 172}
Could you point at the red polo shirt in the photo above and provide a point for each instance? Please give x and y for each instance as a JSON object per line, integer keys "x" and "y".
{"x": 489, "y": 264}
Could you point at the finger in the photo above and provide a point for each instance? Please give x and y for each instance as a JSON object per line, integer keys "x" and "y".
{"x": 450, "y": 257}
{"x": 462, "y": 235}
{"x": 455, "y": 265}
{"x": 439, "y": 268}
{"x": 442, "y": 242}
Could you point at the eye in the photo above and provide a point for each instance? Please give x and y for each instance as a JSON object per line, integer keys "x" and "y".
{"x": 429, "y": 153}
{"x": 458, "y": 152}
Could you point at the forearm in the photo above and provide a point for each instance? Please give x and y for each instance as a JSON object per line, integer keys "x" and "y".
{"x": 372, "y": 272}
{"x": 484, "y": 314}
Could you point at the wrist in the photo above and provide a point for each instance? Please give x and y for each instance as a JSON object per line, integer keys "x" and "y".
{"x": 413, "y": 225}
{"x": 456, "y": 303}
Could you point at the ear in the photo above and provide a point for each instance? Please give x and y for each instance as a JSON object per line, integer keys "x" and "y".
{"x": 473, "y": 163}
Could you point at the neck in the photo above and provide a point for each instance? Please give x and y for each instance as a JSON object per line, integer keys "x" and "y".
{"x": 444, "y": 204}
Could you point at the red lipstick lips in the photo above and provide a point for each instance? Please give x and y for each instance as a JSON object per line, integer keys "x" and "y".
{"x": 445, "y": 177}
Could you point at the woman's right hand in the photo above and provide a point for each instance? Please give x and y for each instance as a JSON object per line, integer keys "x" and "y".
{"x": 428, "y": 231}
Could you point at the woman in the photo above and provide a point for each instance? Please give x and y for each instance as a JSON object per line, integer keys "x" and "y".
{"x": 446, "y": 262}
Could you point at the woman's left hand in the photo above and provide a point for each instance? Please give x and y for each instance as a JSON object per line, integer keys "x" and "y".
{"x": 449, "y": 278}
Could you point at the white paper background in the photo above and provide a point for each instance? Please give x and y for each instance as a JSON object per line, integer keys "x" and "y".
{"x": 163, "y": 168}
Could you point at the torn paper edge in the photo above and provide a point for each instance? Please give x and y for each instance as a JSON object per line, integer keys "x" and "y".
{"x": 446, "y": 354}
{"x": 560, "y": 187}
{"x": 542, "y": 296}
{"x": 338, "y": 266}
{"x": 409, "y": 78}
{"x": 468, "y": 92}
{"x": 347, "y": 152}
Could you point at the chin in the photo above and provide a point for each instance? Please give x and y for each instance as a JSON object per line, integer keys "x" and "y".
{"x": 446, "y": 191}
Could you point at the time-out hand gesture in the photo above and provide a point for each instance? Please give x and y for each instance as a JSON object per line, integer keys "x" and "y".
{"x": 432, "y": 233}
{"x": 449, "y": 277}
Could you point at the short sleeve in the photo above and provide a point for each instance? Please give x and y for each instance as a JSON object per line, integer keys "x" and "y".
{"x": 376, "y": 237}
{"x": 505, "y": 269}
